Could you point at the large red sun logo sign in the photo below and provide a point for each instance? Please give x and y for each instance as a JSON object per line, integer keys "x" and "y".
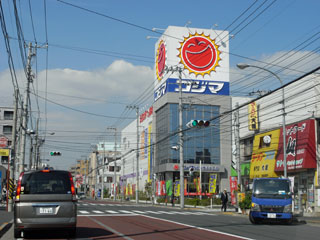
{"x": 199, "y": 54}
{"x": 160, "y": 60}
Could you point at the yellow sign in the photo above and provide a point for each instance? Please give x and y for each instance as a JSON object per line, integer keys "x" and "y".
{"x": 264, "y": 154}
{"x": 212, "y": 183}
{"x": 253, "y": 116}
{"x": 4, "y": 152}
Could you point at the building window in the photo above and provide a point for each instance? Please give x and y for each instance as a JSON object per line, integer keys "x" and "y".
{"x": 8, "y": 115}
{"x": 7, "y": 129}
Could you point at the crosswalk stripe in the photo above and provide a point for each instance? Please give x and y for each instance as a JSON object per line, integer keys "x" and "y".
{"x": 83, "y": 212}
{"x": 153, "y": 212}
{"x": 124, "y": 211}
{"x": 95, "y": 211}
{"x": 136, "y": 211}
{"x": 165, "y": 212}
{"x": 110, "y": 211}
{"x": 183, "y": 213}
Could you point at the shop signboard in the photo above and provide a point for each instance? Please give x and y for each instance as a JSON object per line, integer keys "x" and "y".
{"x": 201, "y": 55}
{"x": 264, "y": 153}
{"x": 4, "y": 152}
{"x": 213, "y": 183}
{"x": 177, "y": 188}
{"x": 245, "y": 170}
{"x": 300, "y": 145}
{"x": 233, "y": 188}
{"x": 3, "y": 142}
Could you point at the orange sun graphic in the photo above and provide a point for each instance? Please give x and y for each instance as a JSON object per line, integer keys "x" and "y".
{"x": 199, "y": 54}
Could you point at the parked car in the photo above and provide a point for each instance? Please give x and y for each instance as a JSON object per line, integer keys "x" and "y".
{"x": 45, "y": 199}
{"x": 81, "y": 195}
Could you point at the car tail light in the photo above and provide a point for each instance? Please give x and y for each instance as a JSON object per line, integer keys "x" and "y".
{"x": 73, "y": 191}
{"x": 19, "y": 187}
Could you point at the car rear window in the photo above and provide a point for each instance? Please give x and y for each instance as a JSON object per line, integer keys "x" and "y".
{"x": 46, "y": 183}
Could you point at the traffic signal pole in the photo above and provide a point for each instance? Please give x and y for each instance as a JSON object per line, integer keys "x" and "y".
{"x": 181, "y": 143}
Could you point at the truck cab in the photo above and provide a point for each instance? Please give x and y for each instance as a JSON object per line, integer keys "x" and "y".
{"x": 271, "y": 200}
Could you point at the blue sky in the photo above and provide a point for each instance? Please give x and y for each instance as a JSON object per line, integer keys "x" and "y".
{"x": 121, "y": 71}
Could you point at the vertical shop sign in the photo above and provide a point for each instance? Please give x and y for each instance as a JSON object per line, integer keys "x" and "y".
{"x": 233, "y": 188}
{"x": 253, "y": 116}
{"x": 177, "y": 188}
{"x": 213, "y": 183}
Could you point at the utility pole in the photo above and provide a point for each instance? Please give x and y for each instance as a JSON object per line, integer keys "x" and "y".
{"x": 181, "y": 166}
{"x": 115, "y": 163}
{"x": 237, "y": 142}
{"x": 25, "y": 110}
{"x": 13, "y": 153}
{"x": 137, "y": 156}
{"x": 103, "y": 168}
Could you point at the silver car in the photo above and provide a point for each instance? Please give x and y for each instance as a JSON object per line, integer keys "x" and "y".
{"x": 45, "y": 199}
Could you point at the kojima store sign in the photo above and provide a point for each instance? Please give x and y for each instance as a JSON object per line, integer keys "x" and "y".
{"x": 200, "y": 53}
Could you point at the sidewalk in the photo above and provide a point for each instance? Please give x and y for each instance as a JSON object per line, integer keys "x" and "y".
{"x": 6, "y": 220}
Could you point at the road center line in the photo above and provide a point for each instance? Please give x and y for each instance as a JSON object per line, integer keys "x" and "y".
{"x": 110, "y": 229}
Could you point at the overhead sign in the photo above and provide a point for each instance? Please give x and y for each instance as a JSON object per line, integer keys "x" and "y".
{"x": 201, "y": 55}
{"x": 4, "y": 152}
{"x": 3, "y": 142}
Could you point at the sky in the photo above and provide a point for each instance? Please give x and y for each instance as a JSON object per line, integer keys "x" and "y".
{"x": 99, "y": 58}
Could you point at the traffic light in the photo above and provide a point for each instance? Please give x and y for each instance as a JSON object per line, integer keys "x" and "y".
{"x": 55, "y": 153}
{"x": 198, "y": 123}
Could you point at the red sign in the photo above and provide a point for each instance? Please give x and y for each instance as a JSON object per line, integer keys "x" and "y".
{"x": 160, "y": 60}
{"x": 146, "y": 114}
{"x": 199, "y": 54}
{"x": 301, "y": 146}
{"x": 3, "y": 142}
{"x": 233, "y": 188}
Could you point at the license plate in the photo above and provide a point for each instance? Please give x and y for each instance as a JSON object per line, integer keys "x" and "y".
{"x": 43, "y": 210}
{"x": 272, "y": 215}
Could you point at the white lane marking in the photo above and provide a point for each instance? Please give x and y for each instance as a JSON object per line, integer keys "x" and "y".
{"x": 95, "y": 211}
{"x": 83, "y": 212}
{"x": 111, "y": 229}
{"x": 200, "y": 228}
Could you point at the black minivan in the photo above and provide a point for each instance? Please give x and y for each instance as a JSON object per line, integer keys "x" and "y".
{"x": 45, "y": 199}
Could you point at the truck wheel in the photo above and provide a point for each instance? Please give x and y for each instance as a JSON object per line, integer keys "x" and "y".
{"x": 289, "y": 221}
{"x": 253, "y": 220}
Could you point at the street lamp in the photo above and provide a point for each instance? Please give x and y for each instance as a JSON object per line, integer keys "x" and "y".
{"x": 243, "y": 66}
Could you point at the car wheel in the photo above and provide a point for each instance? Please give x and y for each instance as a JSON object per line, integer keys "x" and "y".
{"x": 17, "y": 233}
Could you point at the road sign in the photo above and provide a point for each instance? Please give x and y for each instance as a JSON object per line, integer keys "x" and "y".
{"x": 3, "y": 142}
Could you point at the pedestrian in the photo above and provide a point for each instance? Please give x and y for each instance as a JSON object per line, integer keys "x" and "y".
{"x": 224, "y": 200}
{"x": 4, "y": 194}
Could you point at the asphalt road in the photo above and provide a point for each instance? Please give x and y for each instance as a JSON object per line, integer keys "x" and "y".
{"x": 108, "y": 220}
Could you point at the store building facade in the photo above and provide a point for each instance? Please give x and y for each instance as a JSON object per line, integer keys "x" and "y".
{"x": 198, "y": 60}
{"x": 265, "y": 141}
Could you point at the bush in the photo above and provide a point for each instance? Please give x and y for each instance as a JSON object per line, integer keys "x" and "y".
{"x": 246, "y": 202}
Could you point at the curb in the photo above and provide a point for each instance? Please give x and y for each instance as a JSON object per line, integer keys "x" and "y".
{"x": 5, "y": 227}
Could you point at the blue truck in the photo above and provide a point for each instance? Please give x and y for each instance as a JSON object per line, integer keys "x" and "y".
{"x": 271, "y": 200}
